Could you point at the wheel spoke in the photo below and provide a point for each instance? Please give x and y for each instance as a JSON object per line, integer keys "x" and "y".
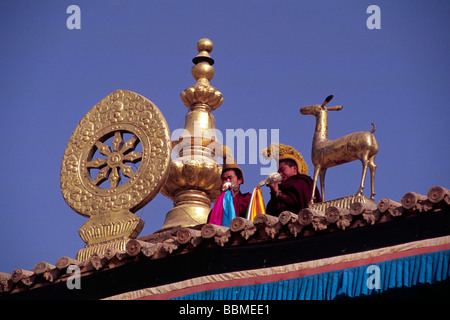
{"x": 97, "y": 163}
{"x": 118, "y": 141}
{"x": 114, "y": 178}
{"x": 133, "y": 157}
{"x": 103, "y": 148}
{"x": 130, "y": 145}
{"x": 102, "y": 175}
{"x": 127, "y": 170}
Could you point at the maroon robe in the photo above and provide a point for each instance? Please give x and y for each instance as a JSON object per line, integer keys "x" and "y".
{"x": 241, "y": 202}
{"x": 295, "y": 195}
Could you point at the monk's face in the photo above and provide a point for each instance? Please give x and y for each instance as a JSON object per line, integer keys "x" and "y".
{"x": 286, "y": 171}
{"x": 230, "y": 176}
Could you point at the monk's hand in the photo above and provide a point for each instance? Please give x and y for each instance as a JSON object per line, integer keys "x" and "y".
{"x": 273, "y": 186}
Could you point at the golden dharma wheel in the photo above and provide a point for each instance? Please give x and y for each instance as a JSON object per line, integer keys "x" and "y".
{"x": 118, "y": 157}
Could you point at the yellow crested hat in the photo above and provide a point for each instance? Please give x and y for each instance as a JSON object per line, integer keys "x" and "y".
{"x": 229, "y": 162}
{"x": 280, "y": 152}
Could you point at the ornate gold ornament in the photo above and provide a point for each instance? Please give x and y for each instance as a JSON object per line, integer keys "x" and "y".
{"x": 194, "y": 181}
{"x": 116, "y": 161}
{"x": 327, "y": 153}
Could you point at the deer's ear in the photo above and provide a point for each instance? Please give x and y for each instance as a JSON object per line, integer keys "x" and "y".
{"x": 327, "y": 99}
{"x": 335, "y": 108}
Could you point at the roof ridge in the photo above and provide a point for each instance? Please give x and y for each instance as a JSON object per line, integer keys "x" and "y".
{"x": 288, "y": 225}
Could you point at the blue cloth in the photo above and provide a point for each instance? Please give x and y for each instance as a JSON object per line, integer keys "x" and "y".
{"x": 409, "y": 271}
{"x": 228, "y": 209}
{"x": 223, "y": 210}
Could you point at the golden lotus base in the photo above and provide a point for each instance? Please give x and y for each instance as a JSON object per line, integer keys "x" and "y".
{"x": 100, "y": 248}
{"x": 108, "y": 230}
{"x": 186, "y": 216}
{"x": 344, "y": 202}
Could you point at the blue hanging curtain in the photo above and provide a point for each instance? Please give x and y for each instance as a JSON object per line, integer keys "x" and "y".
{"x": 409, "y": 271}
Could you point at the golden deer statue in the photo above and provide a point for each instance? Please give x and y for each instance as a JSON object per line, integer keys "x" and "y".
{"x": 329, "y": 153}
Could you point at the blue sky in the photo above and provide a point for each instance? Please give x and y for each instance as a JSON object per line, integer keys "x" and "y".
{"x": 272, "y": 57}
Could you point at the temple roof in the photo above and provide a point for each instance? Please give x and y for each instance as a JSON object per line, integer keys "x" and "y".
{"x": 308, "y": 224}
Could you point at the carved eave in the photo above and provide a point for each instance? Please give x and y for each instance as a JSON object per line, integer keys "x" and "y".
{"x": 308, "y": 224}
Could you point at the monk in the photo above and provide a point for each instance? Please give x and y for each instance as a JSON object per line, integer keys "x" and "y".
{"x": 233, "y": 174}
{"x": 293, "y": 193}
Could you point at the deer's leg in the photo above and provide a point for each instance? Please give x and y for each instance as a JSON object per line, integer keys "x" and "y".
{"x": 322, "y": 182}
{"x": 316, "y": 175}
{"x": 365, "y": 163}
{"x": 372, "y": 167}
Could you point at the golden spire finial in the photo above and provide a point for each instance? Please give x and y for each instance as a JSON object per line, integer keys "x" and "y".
{"x": 194, "y": 180}
{"x": 202, "y": 94}
{"x": 204, "y": 47}
{"x": 203, "y": 71}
